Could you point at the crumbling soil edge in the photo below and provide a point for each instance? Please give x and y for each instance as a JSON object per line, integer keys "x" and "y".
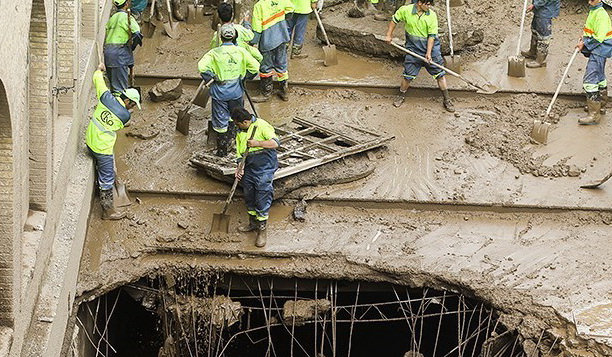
{"x": 534, "y": 323}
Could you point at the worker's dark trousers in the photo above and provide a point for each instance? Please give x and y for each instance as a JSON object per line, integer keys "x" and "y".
{"x": 105, "y": 169}
{"x": 257, "y": 182}
{"x": 118, "y": 77}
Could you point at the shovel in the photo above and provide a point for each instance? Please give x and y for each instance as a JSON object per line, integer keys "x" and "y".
{"x": 195, "y": 13}
{"x": 171, "y": 27}
{"x": 221, "y": 220}
{"x": 120, "y": 195}
{"x": 148, "y": 26}
{"x": 516, "y": 64}
{"x": 539, "y": 133}
{"x": 331, "y": 55}
{"x": 455, "y": 3}
{"x": 183, "y": 118}
{"x": 487, "y": 89}
{"x": 452, "y": 62}
{"x": 595, "y": 184}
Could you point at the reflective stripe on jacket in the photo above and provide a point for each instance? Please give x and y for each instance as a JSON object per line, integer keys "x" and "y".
{"x": 109, "y": 116}
{"x": 269, "y": 23}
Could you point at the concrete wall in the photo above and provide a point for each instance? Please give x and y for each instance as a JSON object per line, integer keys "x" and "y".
{"x": 47, "y": 55}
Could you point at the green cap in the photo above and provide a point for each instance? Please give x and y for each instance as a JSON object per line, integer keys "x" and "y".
{"x": 119, "y": 2}
{"x": 133, "y": 95}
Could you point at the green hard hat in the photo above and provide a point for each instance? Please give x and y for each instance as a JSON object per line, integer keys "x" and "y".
{"x": 119, "y": 2}
{"x": 132, "y": 93}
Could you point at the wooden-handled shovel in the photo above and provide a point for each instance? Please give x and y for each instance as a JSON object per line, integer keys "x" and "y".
{"x": 516, "y": 64}
{"x": 331, "y": 55}
{"x": 183, "y": 117}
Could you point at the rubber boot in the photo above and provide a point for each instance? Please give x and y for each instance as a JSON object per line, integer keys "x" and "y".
{"x": 265, "y": 85}
{"x": 531, "y": 54}
{"x": 540, "y": 60}
{"x": 296, "y": 52}
{"x": 108, "y": 210}
{"x": 448, "y": 105}
{"x": 252, "y": 226}
{"x": 603, "y": 94}
{"x": 283, "y": 92}
{"x": 399, "y": 100}
{"x": 221, "y": 144}
{"x": 262, "y": 234}
{"x": 594, "y": 115}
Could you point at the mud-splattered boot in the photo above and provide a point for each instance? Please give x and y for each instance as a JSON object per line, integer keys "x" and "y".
{"x": 540, "y": 60}
{"x": 252, "y": 226}
{"x": 221, "y": 144}
{"x": 296, "y": 52}
{"x": 594, "y": 107}
{"x": 283, "y": 92}
{"x": 108, "y": 210}
{"x": 448, "y": 105}
{"x": 262, "y": 234}
{"x": 531, "y": 54}
{"x": 265, "y": 85}
{"x": 603, "y": 94}
{"x": 399, "y": 100}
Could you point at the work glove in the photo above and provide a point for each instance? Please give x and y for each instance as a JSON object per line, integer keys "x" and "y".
{"x": 136, "y": 40}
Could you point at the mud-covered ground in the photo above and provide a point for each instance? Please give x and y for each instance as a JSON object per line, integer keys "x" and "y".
{"x": 522, "y": 260}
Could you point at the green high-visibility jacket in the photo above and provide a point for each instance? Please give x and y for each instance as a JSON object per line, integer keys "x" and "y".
{"x": 597, "y": 32}
{"x": 245, "y": 35}
{"x": 117, "y": 28}
{"x": 110, "y": 115}
{"x": 302, "y": 6}
{"x": 265, "y": 131}
{"x": 228, "y": 63}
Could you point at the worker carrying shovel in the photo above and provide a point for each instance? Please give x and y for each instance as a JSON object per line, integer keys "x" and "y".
{"x": 541, "y": 31}
{"x": 596, "y": 44}
{"x": 258, "y": 170}
{"x": 122, "y": 37}
{"x": 421, "y": 25}
{"x": 110, "y": 115}
{"x": 229, "y": 65}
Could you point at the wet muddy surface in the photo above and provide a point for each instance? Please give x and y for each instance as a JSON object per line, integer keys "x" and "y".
{"x": 523, "y": 261}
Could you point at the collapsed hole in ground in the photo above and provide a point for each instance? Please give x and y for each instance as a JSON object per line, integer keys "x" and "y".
{"x": 198, "y": 314}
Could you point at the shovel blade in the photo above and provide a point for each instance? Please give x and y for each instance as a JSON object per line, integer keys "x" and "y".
{"x": 331, "y": 55}
{"x": 592, "y": 184}
{"x": 455, "y": 3}
{"x": 171, "y": 29}
{"x": 182, "y": 121}
{"x": 539, "y": 132}
{"x": 148, "y": 29}
{"x": 453, "y": 63}
{"x": 202, "y": 97}
{"x": 191, "y": 14}
{"x": 516, "y": 66}
{"x": 120, "y": 195}
{"x": 220, "y": 223}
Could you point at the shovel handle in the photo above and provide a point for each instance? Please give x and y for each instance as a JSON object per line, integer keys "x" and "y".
{"x": 435, "y": 64}
{"x": 450, "y": 29}
{"x": 518, "y": 45}
{"x": 321, "y": 26}
{"x": 554, "y": 98}
{"x": 170, "y": 13}
{"x": 152, "y": 11}
{"x": 236, "y": 180}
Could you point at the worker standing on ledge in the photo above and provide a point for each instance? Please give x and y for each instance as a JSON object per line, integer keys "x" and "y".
{"x": 245, "y": 34}
{"x": 110, "y": 115}
{"x": 596, "y": 44}
{"x": 122, "y": 37}
{"x": 421, "y": 25}
{"x": 271, "y": 38}
{"x": 258, "y": 172}
{"x": 297, "y": 22}
{"x": 541, "y": 31}
{"x": 228, "y": 65}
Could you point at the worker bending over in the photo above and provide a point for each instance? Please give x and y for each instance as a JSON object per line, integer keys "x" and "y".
{"x": 110, "y": 115}
{"x": 271, "y": 37}
{"x": 258, "y": 171}
{"x": 596, "y": 44}
{"x": 228, "y": 65}
{"x": 122, "y": 37}
{"x": 421, "y": 26}
{"x": 541, "y": 31}
{"x": 245, "y": 34}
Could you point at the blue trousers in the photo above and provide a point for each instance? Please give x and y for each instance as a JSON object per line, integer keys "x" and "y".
{"x": 541, "y": 27}
{"x": 221, "y": 110}
{"x": 275, "y": 61}
{"x": 105, "y": 170}
{"x": 118, "y": 77}
{"x": 257, "y": 182}
{"x": 595, "y": 74}
{"x": 297, "y": 27}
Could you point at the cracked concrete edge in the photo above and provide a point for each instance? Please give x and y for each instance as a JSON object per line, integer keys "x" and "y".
{"x": 525, "y": 315}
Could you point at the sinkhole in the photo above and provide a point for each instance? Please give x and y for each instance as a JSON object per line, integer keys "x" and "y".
{"x": 188, "y": 315}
